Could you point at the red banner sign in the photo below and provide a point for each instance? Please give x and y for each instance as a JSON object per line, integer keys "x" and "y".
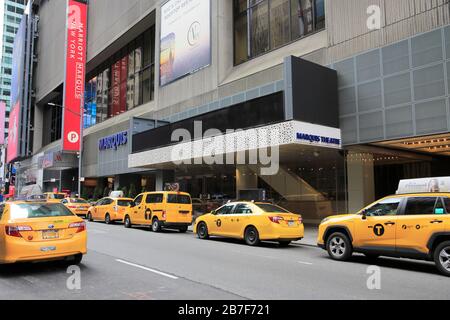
{"x": 13, "y": 134}
{"x": 75, "y": 75}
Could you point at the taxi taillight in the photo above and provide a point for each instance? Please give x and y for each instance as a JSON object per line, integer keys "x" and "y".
{"x": 14, "y": 231}
{"x": 80, "y": 226}
{"x": 300, "y": 220}
{"x": 276, "y": 219}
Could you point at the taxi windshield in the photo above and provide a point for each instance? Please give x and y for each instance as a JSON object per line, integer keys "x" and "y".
{"x": 58, "y": 196}
{"x": 81, "y": 201}
{"x": 38, "y": 210}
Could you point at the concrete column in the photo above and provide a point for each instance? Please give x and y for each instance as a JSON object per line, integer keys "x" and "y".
{"x": 245, "y": 179}
{"x": 361, "y": 182}
{"x": 162, "y": 177}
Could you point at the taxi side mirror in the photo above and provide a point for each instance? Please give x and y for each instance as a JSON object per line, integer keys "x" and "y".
{"x": 364, "y": 215}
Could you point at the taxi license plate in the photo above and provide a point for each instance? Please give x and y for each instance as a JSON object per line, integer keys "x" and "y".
{"x": 291, "y": 223}
{"x": 50, "y": 234}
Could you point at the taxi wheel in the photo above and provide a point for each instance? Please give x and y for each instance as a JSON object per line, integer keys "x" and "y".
{"x": 339, "y": 247}
{"x": 77, "y": 259}
{"x": 127, "y": 222}
{"x": 251, "y": 236}
{"x": 202, "y": 231}
{"x": 156, "y": 225}
{"x": 284, "y": 244}
{"x": 442, "y": 258}
{"x": 89, "y": 217}
{"x": 108, "y": 219}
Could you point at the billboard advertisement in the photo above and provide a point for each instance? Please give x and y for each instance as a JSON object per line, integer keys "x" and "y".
{"x": 75, "y": 74}
{"x": 18, "y": 62}
{"x": 185, "y": 40}
{"x": 2, "y": 122}
{"x": 13, "y": 135}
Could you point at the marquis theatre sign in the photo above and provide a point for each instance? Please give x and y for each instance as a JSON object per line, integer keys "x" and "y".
{"x": 75, "y": 74}
{"x": 113, "y": 142}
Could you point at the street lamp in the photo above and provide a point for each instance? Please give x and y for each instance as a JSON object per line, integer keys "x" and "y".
{"x": 81, "y": 140}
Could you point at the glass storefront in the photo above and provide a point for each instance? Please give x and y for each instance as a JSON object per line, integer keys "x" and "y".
{"x": 264, "y": 25}
{"x": 122, "y": 83}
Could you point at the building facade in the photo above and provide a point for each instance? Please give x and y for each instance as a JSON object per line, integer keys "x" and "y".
{"x": 357, "y": 92}
{"x": 12, "y": 13}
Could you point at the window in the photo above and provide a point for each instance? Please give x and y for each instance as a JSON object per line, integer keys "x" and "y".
{"x": 388, "y": 207}
{"x": 263, "y": 25}
{"x": 123, "y": 82}
{"x": 154, "y": 198}
{"x": 447, "y": 204}
{"x": 30, "y": 211}
{"x": 107, "y": 201}
{"x": 242, "y": 209}
{"x": 420, "y": 206}
{"x": 179, "y": 198}
{"x": 225, "y": 210}
{"x": 124, "y": 203}
{"x": 138, "y": 200}
{"x": 270, "y": 208}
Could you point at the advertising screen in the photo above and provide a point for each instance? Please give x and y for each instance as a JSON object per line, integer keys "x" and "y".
{"x": 13, "y": 135}
{"x": 185, "y": 38}
{"x": 2, "y": 122}
{"x": 18, "y": 62}
{"x": 75, "y": 74}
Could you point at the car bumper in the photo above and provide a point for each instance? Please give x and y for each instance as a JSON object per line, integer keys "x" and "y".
{"x": 175, "y": 225}
{"x": 19, "y": 250}
{"x": 277, "y": 232}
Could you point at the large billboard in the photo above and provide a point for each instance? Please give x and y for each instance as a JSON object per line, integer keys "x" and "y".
{"x": 75, "y": 74}
{"x": 2, "y": 123}
{"x": 13, "y": 134}
{"x": 18, "y": 62}
{"x": 185, "y": 40}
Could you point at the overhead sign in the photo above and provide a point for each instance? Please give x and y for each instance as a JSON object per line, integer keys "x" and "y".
{"x": 75, "y": 75}
{"x": 113, "y": 141}
{"x": 313, "y": 134}
{"x": 440, "y": 184}
{"x": 185, "y": 38}
{"x": 13, "y": 135}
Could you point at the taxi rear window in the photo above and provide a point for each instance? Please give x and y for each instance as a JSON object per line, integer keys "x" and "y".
{"x": 38, "y": 210}
{"x": 124, "y": 203}
{"x": 78, "y": 201}
{"x": 179, "y": 198}
{"x": 271, "y": 208}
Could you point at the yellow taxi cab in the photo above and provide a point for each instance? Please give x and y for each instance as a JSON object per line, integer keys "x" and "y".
{"x": 252, "y": 222}
{"x": 40, "y": 231}
{"x": 413, "y": 226}
{"x": 78, "y": 206}
{"x": 55, "y": 197}
{"x": 165, "y": 209}
{"x": 109, "y": 210}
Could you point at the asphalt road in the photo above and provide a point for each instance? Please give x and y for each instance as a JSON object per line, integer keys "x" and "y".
{"x": 139, "y": 264}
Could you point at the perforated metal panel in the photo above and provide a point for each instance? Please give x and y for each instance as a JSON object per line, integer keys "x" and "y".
{"x": 396, "y": 58}
{"x": 427, "y": 48}
{"x": 397, "y": 90}
{"x": 399, "y": 122}
{"x": 369, "y": 96}
{"x": 401, "y": 90}
{"x": 431, "y": 117}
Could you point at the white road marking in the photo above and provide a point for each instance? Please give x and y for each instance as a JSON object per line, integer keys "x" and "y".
{"x": 147, "y": 269}
{"x": 305, "y": 263}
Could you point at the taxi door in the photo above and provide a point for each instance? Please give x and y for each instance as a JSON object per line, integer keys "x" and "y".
{"x": 154, "y": 206}
{"x": 376, "y": 229}
{"x": 221, "y": 221}
{"x": 240, "y": 218}
{"x": 98, "y": 209}
{"x": 178, "y": 208}
{"x": 422, "y": 217}
{"x": 137, "y": 212}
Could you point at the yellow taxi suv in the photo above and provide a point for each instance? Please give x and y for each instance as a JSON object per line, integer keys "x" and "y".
{"x": 251, "y": 222}
{"x": 33, "y": 232}
{"x": 109, "y": 210}
{"x": 77, "y": 206}
{"x": 415, "y": 226}
{"x": 54, "y": 197}
{"x": 159, "y": 210}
